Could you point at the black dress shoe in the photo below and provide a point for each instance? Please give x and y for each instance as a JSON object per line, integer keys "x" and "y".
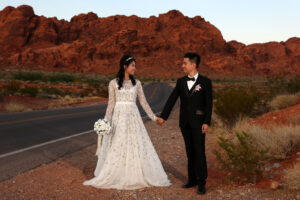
{"x": 201, "y": 189}
{"x": 189, "y": 184}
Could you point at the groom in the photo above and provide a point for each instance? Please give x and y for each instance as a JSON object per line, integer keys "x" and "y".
{"x": 195, "y": 92}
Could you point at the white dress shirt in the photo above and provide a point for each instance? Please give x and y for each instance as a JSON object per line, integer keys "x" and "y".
{"x": 190, "y": 83}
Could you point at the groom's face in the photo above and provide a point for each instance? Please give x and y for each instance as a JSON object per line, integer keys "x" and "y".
{"x": 188, "y": 66}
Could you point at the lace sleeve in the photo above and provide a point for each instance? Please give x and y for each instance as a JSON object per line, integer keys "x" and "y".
{"x": 111, "y": 101}
{"x": 144, "y": 102}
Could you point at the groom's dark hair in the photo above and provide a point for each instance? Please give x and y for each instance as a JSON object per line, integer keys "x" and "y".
{"x": 193, "y": 57}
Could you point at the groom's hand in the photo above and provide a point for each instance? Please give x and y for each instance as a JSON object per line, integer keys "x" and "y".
{"x": 160, "y": 121}
{"x": 204, "y": 128}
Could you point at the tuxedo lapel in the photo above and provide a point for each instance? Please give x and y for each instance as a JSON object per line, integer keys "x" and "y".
{"x": 186, "y": 87}
{"x": 192, "y": 90}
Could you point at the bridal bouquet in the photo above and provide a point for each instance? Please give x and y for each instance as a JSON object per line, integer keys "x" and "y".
{"x": 101, "y": 127}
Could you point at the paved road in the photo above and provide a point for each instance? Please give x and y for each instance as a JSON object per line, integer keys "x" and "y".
{"x": 29, "y": 139}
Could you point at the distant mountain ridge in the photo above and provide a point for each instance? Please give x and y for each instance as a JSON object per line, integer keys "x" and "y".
{"x": 89, "y": 43}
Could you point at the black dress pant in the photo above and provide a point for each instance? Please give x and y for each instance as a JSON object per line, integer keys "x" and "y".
{"x": 195, "y": 149}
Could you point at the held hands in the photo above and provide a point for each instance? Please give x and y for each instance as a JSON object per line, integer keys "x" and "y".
{"x": 160, "y": 121}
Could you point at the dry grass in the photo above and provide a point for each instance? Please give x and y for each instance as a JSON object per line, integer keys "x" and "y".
{"x": 296, "y": 119}
{"x": 282, "y": 140}
{"x": 67, "y": 100}
{"x": 15, "y": 107}
{"x": 292, "y": 177}
{"x": 284, "y": 101}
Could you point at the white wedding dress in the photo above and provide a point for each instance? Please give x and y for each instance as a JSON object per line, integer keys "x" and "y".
{"x": 127, "y": 158}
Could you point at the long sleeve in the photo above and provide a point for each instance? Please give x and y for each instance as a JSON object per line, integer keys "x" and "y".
{"x": 144, "y": 102}
{"x": 208, "y": 102}
{"x": 170, "y": 102}
{"x": 111, "y": 101}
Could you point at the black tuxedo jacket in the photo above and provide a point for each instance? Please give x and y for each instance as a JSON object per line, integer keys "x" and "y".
{"x": 195, "y": 104}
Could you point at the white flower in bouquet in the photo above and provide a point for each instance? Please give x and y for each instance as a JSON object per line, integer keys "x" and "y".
{"x": 101, "y": 127}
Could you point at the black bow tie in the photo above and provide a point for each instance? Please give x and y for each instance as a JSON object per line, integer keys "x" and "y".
{"x": 190, "y": 79}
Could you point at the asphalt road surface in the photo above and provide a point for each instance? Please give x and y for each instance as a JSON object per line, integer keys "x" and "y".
{"x": 30, "y": 139}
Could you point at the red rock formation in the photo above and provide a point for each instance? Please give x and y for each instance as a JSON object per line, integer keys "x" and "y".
{"x": 90, "y": 44}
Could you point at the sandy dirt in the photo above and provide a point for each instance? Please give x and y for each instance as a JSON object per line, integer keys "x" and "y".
{"x": 63, "y": 178}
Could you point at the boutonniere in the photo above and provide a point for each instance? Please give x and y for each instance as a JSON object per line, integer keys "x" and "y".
{"x": 198, "y": 87}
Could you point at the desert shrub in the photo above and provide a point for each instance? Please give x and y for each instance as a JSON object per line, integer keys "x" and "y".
{"x": 284, "y": 101}
{"x": 283, "y": 85}
{"x": 66, "y": 100}
{"x": 1, "y": 95}
{"x": 76, "y": 94}
{"x": 103, "y": 91}
{"x": 15, "y": 107}
{"x": 242, "y": 156}
{"x": 293, "y": 85}
{"x": 68, "y": 92}
{"x": 28, "y": 76}
{"x": 59, "y": 78}
{"x": 281, "y": 140}
{"x": 32, "y": 76}
{"x": 30, "y": 91}
{"x": 295, "y": 119}
{"x": 52, "y": 90}
{"x": 86, "y": 92}
{"x": 11, "y": 87}
{"x": 93, "y": 82}
{"x": 292, "y": 177}
{"x": 233, "y": 103}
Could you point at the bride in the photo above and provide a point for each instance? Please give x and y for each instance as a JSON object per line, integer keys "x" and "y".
{"x": 127, "y": 158}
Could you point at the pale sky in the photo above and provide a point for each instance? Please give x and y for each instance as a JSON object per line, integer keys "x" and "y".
{"x": 247, "y": 21}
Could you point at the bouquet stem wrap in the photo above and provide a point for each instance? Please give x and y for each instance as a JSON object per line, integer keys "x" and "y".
{"x": 102, "y": 127}
{"x": 99, "y": 144}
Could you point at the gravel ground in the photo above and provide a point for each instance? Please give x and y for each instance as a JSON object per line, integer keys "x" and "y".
{"x": 63, "y": 178}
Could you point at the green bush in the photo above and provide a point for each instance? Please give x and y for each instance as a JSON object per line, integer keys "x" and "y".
{"x": 243, "y": 156}
{"x": 32, "y": 76}
{"x": 59, "y": 78}
{"x": 103, "y": 91}
{"x": 282, "y": 85}
{"x": 293, "y": 85}
{"x": 67, "y": 92}
{"x": 28, "y": 76}
{"x": 233, "y": 103}
{"x": 1, "y": 95}
{"x": 86, "y": 92}
{"x": 11, "y": 87}
{"x": 93, "y": 82}
{"x": 76, "y": 94}
{"x": 2, "y": 76}
{"x": 30, "y": 91}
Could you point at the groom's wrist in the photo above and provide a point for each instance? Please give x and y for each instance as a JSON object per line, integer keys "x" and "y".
{"x": 164, "y": 118}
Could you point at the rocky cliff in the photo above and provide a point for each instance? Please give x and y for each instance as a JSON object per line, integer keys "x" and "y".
{"x": 89, "y": 44}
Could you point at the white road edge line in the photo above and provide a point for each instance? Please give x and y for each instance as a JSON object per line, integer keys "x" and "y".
{"x": 49, "y": 142}
{"x": 43, "y": 144}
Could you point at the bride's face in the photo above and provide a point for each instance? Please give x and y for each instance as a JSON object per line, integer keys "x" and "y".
{"x": 131, "y": 68}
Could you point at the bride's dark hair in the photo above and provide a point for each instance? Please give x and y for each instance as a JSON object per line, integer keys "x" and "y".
{"x": 125, "y": 60}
